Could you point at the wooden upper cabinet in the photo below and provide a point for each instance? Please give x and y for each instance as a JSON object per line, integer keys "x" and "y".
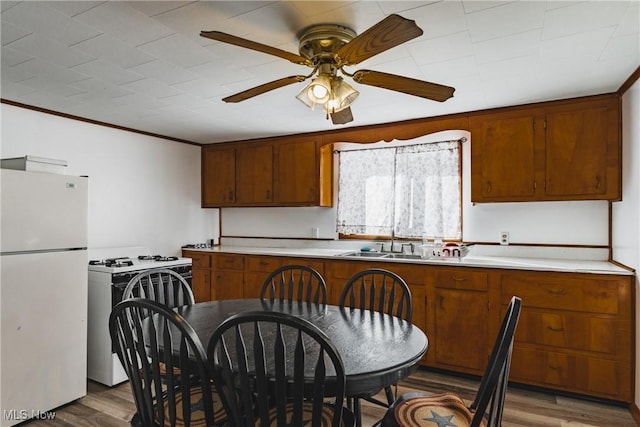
{"x": 254, "y": 175}
{"x": 565, "y": 150}
{"x": 582, "y": 152}
{"x": 503, "y": 157}
{"x": 299, "y": 168}
{"x": 276, "y": 172}
{"x": 218, "y": 176}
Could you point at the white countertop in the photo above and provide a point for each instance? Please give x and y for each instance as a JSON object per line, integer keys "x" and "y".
{"x": 472, "y": 260}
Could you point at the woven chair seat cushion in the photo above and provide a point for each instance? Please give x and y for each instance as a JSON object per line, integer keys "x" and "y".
{"x": 327, "y": 416}
{"x": 197, "y": 411}
{"x": 438, "y": 410}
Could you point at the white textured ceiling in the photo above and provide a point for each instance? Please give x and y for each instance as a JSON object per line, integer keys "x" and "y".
{"x": 143, "y": 65}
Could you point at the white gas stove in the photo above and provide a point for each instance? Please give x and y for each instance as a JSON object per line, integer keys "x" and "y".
{"x": 110, "y": 269}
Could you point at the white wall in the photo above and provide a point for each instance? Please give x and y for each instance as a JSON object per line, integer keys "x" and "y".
{"x": 626, "y": 219}
{"x": 575, "y": 223}
{"x": 143, "y": 191}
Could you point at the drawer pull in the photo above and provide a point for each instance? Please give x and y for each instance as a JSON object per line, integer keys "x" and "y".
{"x": 551, "y": 328}
{"x": 458, "y": 279}
{"x": 557, "y": 292}
{"x": 555, "y": 368}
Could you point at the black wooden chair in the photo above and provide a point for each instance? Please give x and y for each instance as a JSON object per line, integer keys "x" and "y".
{"x": 380, "y": 291}
{"x": 486, "y": 409}
{"x": 274, "y": 369}
{"x": 162, "y": 285}
{"x": 147, "y": 334}
{"x": 299, "y": 283}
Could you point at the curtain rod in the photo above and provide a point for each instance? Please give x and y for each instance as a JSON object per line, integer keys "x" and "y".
{"x": 460, "y": 140}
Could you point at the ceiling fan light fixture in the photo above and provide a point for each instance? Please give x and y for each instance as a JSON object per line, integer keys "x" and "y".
{"x": 319, "y": 90}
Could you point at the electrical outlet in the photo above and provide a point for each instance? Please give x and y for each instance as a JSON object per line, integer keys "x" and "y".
{"x": 504, "y": 237}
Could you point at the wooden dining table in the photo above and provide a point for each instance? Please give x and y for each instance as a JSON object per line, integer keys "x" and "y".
{"x": 377, "y": 350}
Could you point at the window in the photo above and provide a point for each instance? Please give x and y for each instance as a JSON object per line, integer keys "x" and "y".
{"x": 412, "y": 190}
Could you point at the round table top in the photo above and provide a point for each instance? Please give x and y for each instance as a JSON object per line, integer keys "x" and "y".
{"x": 377, "y": 350}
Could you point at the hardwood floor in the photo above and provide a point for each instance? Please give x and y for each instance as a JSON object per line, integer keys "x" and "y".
{"x": 114, "y": 407}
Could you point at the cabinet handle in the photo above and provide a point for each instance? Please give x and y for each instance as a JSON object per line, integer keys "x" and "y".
{"x": 441, "y": 301}
{"x": 555, "y": 368}
{"x": 268, "y": 194}
{"x": 557, "y": 292}
{"x": 458, "y": 279}
{"x": 551, "y": 328}
{"x": 230, "y": 195}
{"x": 488, "y": 186}
{"x": 597, "y": 182}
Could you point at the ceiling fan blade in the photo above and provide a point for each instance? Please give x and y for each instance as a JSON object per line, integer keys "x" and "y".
{"x": 407, "y": 85}
{"x": 390, "y": 32}
{"x": 341, "y": 117}
{"x": 259, "y": 90}
{"x": 238, "y": 41}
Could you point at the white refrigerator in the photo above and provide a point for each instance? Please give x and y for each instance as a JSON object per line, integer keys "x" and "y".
{"x": 43, "y": 293}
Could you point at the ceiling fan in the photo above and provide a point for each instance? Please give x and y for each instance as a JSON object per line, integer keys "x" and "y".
{"x": 328, "y": 48}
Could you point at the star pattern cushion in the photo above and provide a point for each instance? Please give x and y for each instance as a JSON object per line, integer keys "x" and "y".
{"x": 440, "y": 410}
{"x": 197, "y": 412}
{"x": 327, "y": 415}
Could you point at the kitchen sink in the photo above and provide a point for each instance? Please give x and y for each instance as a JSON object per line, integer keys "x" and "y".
{"x": 405, "y": 256}
{"x": 361, "y": 254}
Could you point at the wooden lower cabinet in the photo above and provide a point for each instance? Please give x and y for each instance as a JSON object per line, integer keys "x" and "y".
{"x": 227, "y": 279}
{"x": 575, "y": 332}
{"x": 257, "y": 270}
{"x": 459, "y": 322}
{"x": 201, "y": 274}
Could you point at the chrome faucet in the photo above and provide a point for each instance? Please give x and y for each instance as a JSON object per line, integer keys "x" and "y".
{"x": 391, "y": 245}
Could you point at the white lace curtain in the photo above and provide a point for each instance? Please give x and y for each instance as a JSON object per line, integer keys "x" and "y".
{"x": 413, "y": 190}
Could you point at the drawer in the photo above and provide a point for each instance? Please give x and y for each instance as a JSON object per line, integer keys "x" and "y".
{"x": 563, "y": 293}
{"x": 568, "y": 330}
{"x": 571, "y": 372}
{"x": 410, "y": 274}
{"x": 309, "y": 262}
{"x": 228, "y": 262}
{"x": 461, "y": 278}
{"x": 265, "y": 264}
{"x": 198, "y": 260}
{"x": 344, "y": 270}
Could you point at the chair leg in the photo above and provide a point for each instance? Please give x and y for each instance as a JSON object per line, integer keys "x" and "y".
{"x": 390, "y": 395}
{"x": 357, "y": 412}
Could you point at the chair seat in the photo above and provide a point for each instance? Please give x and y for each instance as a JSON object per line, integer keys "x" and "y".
{"x": 348, "y": 419}
{"x": 197, "y": 411}
{"x": 438, "y": 410}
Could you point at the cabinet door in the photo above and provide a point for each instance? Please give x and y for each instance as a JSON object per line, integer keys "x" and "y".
{"x": 503, "y": 157}
{"x": 577, "y": 153}
{"x": 201, "y": 284}
{"x": 258, "y": 268}
{"x": 460, "y": 338}
{"x": 254, "y": 175}
{"x": 227, "y": 285}
{"x": 297, "y": 173}
{"x": 218, "y": 177}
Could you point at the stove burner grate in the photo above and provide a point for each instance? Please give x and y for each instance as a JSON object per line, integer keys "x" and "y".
{"x": 157, "y": 258}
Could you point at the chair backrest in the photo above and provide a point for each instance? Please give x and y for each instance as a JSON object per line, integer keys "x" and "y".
{"x": 493, "y": 386}
{"x": 299, "y": 283}
{"x": 144, "y": 346}
{"x": 378, "y": 290}
{"x": 162, "y": 285}
{"x": 278, "y": 365}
